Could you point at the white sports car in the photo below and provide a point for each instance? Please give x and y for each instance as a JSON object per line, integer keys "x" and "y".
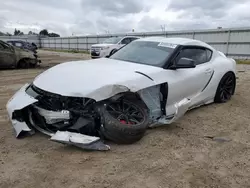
{"x": 150, "y": 82}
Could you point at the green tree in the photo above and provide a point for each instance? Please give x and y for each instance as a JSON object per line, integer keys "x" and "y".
{"x": 54, "y": 35}
{"x": 44, "y": 32}
{"x": 18, "y": 32}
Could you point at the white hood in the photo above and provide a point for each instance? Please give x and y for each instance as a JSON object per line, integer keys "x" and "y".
{"x": 98, "y": 79}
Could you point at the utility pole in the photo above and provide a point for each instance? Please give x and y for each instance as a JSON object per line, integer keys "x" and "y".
{"x": 163, "y": 27}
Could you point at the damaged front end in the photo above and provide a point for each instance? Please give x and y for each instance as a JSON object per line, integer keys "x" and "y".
{"x": 85, "y": 122}
{"x": 68, "y": 120}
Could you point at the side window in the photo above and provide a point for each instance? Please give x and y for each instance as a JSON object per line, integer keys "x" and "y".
{"x": 209, "y": 54}
{"x": 126, "y": 41}
{"x": 199, "y": 55}
{"x": 132, "y": 39}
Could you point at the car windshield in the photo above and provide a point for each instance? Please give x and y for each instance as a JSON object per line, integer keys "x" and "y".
{"x": 144, "y": 52}
{"x": 113, "y": 40}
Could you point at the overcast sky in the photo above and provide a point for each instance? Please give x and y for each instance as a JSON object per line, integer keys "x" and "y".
{"x": 98, "y": 16}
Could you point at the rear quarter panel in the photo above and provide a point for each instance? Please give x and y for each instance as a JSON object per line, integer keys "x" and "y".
{"x": 221, "y": 65}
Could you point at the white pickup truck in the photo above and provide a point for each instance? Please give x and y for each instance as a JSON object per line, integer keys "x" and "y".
{"x": 109, "y": 45}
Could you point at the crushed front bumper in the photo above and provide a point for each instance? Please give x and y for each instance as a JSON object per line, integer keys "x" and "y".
{"x": 21, "y": 100}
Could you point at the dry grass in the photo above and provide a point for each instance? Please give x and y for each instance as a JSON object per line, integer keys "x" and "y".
{"x": 245, "y": 62}
{"x": 68, "y": 51}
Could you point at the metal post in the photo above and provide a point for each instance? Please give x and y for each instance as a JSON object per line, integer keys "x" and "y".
{"x": 40, "y": 41}
{"x": 61, "y": 44}
{"x": 87, "y": 44}
{"x": 194, "y": 35}
{"x": 69, "y": 43}
{"x": 77, "y": 45}
{"x": 55, "y": 43}
{"x": 228, "y": 41}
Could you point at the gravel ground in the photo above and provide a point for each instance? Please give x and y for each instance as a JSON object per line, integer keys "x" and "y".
{"x": 178, "y": 155}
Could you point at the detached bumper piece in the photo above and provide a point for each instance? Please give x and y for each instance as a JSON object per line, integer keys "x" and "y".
{"x": 80, "y": 140}
{"x": 18, "y": 102}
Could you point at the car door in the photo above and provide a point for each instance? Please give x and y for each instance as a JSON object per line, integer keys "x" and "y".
{"x": 189, "y": 82}
{"x": 7, "y": 55}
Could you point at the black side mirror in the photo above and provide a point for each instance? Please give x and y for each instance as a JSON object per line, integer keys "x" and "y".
{"x": 184, "y": 63}
{"x": 111, "y": 53}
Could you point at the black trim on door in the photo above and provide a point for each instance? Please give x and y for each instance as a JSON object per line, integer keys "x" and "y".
{"x": 164, "y": 92}
{"x": 208, "y": 82}
{"x": 177, "y": 51}
{"x": 171, "y": 57}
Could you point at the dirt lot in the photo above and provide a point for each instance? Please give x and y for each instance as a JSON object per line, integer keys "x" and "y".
{"x": 178, "y": 155}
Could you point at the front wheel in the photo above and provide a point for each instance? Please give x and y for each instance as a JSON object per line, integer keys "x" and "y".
{"x": 225, "y": 88}
{"x": 124, "y": 122}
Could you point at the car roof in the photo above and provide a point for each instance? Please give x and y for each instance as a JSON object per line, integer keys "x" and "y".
{"x": 176, "y": 40}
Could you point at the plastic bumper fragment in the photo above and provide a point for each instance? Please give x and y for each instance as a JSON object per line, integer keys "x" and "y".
{"x": 19, "y": 101}
{"x": 80, "y": 140}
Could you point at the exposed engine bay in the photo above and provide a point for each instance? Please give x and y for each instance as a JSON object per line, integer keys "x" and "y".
{"x": 53, "y": 112}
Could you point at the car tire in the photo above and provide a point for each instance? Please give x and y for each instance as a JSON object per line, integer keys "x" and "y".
{"x": 226, "y": 88}
{"x": 123, "y": 133}
{"x": 23, "y": 64}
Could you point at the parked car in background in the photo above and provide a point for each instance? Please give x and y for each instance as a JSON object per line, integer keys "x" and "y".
{"x": 108, "y": 46}
{"x": 23, "y": 44}
{"x": 13, "y": 57}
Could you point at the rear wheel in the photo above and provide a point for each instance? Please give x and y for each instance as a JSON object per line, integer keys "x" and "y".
{"x": 124, "y": 122}
{"x": 225, "y": 88}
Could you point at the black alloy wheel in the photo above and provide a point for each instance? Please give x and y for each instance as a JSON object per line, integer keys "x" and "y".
{"x": 124, "y": 121}
{"x": 125, "y": 112}
{"x": 226, "y": 88}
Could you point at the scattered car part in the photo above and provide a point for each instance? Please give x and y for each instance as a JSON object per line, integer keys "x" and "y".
{"x": 80, "y": 140}
{"x": 13, "y": 57}
{"x": 218, "y": 139}
{"x": 150, "y": 82}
